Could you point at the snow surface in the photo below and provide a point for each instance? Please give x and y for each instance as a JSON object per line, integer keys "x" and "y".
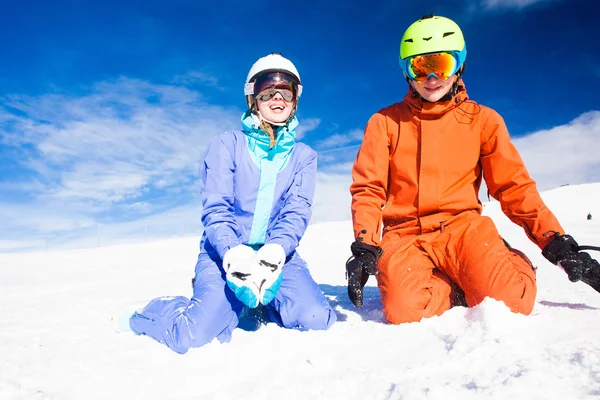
{"x": 56, "y": 340}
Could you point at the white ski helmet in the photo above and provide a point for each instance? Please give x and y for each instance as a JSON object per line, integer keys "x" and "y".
{"x": 273, "y": 62}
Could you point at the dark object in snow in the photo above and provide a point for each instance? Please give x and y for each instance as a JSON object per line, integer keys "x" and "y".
{"x": 359, "y": 266}
{"x": 564, "y": 251}
{"x": 589, "y": 216}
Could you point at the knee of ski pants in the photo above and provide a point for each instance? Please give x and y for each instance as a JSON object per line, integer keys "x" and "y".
{"x": 518, "y": 291}
{"x": 300, "y": 303}
{"x": 185, "y": 327}
{"x": 411, "y": 287}
{"x": 163, "y": 319}
{"x": 402, "y": 306}
{"x": 490, "y": 268}
{"x": 528, "y": 277}
{"x": 317, "y": 317}
{"x": 182, "y": 324}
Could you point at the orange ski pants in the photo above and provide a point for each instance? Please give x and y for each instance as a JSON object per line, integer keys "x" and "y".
{"x": 419, "y": 275}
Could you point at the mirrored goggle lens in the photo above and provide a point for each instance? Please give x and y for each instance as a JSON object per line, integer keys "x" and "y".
{"x": 268, "y": 93}
{"x": 442, "y": 65}
{"x": 280, "y": 82}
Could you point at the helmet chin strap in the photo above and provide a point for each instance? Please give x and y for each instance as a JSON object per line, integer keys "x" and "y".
{"x": 261, "y": 118}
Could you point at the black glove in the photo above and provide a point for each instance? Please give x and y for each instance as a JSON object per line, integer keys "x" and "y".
{"x": 564, "y": 251}
{"x": 359, "y": 266}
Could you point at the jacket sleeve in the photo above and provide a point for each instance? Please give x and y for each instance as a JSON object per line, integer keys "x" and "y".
{"x": 296, "y": 211}
{"x": 509, "y": 182}
{"x": 218, "y": 216}
{"x": 369, "y": 181}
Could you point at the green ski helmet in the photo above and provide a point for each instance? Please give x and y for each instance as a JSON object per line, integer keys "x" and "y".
{"x": 432, "y": 34}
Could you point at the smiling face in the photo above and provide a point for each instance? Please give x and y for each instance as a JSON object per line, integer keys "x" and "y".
{"x": 433, "y": 88}
{"x": 276, "y": 109}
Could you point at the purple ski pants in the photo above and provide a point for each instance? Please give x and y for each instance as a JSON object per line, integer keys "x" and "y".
{"x": 214, "y": 311}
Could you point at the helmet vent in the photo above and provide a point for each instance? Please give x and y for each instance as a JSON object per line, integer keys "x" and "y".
{"x": 448, "y": 34}
{"x": 427, "y": 38}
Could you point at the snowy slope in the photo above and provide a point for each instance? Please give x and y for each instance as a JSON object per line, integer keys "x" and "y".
{"x": 56, "y": 341}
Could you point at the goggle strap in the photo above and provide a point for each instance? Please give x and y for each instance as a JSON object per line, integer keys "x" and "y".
{"x": 249, "y": 89}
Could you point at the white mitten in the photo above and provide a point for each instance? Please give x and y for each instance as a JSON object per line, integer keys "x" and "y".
{"x": 271, "y": 259}
{"x": 241, "y": 269}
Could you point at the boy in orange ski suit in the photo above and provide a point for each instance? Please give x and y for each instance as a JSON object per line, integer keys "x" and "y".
{"x": 417, "y": 175}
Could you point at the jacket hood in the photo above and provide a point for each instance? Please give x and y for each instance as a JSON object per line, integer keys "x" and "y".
{"x": 420, "y": 107}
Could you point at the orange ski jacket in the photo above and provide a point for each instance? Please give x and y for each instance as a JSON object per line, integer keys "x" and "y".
{"x": 420, "y": 165}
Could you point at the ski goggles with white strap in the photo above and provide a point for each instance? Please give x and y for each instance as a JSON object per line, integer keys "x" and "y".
{"x": 441, "y": 65}
{"x": 268, "y": 85}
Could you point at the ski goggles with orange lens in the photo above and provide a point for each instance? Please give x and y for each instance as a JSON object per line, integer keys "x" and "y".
{"x": 441, "y": 65}
{"x": 268, "y": 85}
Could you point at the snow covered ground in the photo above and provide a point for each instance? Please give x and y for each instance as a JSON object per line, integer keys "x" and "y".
{"x": 56, "y": 340}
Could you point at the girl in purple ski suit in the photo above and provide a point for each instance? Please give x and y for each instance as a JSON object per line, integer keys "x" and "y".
{"x": 257, "y": 197}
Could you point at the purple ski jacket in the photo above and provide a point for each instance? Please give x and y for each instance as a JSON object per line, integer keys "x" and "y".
{"x": 255, "y": 195}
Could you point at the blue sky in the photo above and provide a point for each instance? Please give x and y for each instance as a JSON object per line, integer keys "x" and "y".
{"x": 106, "y": 107}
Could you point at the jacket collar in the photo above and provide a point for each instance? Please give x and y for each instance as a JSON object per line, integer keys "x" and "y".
{"x": 259, "y": 141}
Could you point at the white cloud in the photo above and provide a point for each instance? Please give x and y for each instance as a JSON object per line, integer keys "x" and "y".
{"x": 497, "y": 4}
{"x": 175, "y": 222}
{"x": 307, "y": 125}
{"x": 566, "y": 154}
{"x": 101, "y": 152}
{"x": 117, "y": 182}
{"x": 113, "y": 142}
{"x": 332, "y": 197}
{"x": 341, "y": 139}
{"x": 22, "y": 245}
{"x": 334, "y": 158}
{"x": 38, "y": 219}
